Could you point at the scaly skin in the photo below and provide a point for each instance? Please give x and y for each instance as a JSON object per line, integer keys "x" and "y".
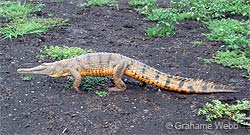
{"x": 116, "y": 65}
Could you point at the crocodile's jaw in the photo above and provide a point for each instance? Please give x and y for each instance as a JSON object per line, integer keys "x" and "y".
{"x": 42, "y": 69}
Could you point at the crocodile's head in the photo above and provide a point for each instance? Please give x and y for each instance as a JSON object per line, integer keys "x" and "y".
{"x": 51, "y": 69}
{"x": 45, "y": 68}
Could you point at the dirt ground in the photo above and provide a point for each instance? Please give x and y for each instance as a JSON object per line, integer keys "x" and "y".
{"x": 44, "y": 106}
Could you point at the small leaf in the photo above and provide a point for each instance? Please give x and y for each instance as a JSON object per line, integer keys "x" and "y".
{"x": 26, "y": 78}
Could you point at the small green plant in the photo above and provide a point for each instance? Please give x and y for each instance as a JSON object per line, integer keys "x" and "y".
{"x": 59, "y": 53}
{"x": 162, "y": 29}
{"x": 12, "y": 10}
{"x": 56, "y": 1}
{"x": 50, "y": 14}
{"x": 159, "y": 14}
{"x": 203, "y": 10}
{"x": 198, "y": 43}
{"x": 235, "y": 112}
{"x": 89, "y": 83}
{"x": 246, "y": 75}
{"x": 232, "y": 32}
{"x": 91, "y": 3}
{"x": 168, "y": 15}
{"x": 21, "y": 23}
{"x": 234, "y": 59}
{"x": 101, "y": 93}
{"x": 65, "y": 52}
{"x": 141, "y": 2}
{"x": 147, "y": 9}
{"x": 209, "y": 9}
{"x": 20, "y": 27}
{"x": 166, "y": 18}
{"x": 26, "y": 78}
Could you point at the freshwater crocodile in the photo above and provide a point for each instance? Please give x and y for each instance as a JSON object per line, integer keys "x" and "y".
{"x": 116, "y": 65}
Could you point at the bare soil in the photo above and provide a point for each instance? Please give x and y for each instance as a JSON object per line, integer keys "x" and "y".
{"x": 44, "y": 106}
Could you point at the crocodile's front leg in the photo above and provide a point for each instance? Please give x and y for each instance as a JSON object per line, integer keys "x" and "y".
{"x": 119, "y": 70}
{"x": 77, "y": 79}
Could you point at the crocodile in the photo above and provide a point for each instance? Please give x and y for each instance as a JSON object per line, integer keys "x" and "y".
{"x": 116, "y": 65}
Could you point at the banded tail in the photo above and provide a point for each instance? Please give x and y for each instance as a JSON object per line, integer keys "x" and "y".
{"x": 187, "y": 85}
{"x": 165, "y": 81}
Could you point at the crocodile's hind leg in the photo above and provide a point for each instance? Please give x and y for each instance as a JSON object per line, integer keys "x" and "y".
{"x": 119, "y": 70}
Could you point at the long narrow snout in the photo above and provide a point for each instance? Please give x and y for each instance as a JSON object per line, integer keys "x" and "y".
{"x": 35, "y": 70}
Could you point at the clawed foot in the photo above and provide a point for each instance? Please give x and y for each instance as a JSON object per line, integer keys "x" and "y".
{"x": 115, "y": 89}
{"x": 77, "y": 90}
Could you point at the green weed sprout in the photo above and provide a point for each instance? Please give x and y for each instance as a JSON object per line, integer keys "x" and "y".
{"x": 13, "y": 10}
{"x": 20, "y": 27}
{"x": 101, "y": 93}
{"x": 141, "y": 2}
{"x": 91, "y": 3}
{"x": 235, "y": 112}
{"x": 26, "y": 78}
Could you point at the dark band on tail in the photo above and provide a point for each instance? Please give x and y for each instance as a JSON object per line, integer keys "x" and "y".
{"x": 168, "y": 81}
{"x": 157, "y": 76}
{"x": 181, "y": 83}
{"x": 143, "y": 68}
{"x": 204, "y": 87}
{"x": 191, "y": 89}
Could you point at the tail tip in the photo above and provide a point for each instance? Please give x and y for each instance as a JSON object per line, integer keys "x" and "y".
{"x": 225, "y": 91}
